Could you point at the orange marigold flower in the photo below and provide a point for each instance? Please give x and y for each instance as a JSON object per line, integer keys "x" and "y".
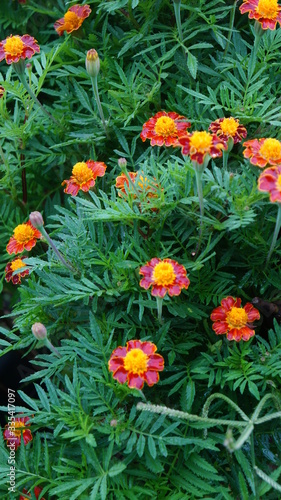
{"x": 164, "y": 129}
{"x": 136, "y": 363}
{"x": 2, "y": 91}
{"x": 73, "y": 19}
{"x": 15, "y": 430}
{"x": 143, "y": 184}
{"x": 234, "y": 321}
{"x": 262, "y": 152}
{"x": 266, "y": 12}
{"x": 13, "y": 266}
{"x": 165, "y": 276}
{"x": 36, "y": 491}
{"x": 228, "y": 128}
{"x": 270, "y": 181}
{"x": 84, "y": 176}
{"x": 14, "y": 48}
{"x": 199, "y": 145}
{"x": 24, "y": 238}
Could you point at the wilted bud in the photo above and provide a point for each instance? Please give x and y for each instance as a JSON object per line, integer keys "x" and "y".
{"x": 36, "y": 219}
{"x": 39, "y": 331}
{"x": 92, "y": 63}
{"x": 122, "y": 162}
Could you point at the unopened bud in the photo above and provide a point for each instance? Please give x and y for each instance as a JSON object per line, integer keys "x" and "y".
{"x": 39, "y": 331}
{"x": 92, "y": 63}
{"x": 113, "y": 422}
{"x": 122, "y": 162}
{"x": 28, "y": 66}
{"x": 36, "y": 219}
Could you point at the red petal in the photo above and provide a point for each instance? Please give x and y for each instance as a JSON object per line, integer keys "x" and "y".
{"x": 156, "y": 362}
{"x": 114, "y": 363}
{"x": 121, "y": 375}
{"x": 230, "y": 302}
{"x": 135, "y": 381}
{"x": 158, "y": 291}
{"x": 119, "y": 351}
{"x": 220, "y": 327}
{"x": 151, "y": 377}
{"x": 253, "y": 314}
{"x": 149, "y": 348}
{"x": 218, "y": 314}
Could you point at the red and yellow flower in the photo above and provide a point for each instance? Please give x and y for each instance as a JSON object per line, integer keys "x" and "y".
{"x": 200, "y": 145}
{"x": 16, "y": 430}
{"x": 266, "y": 12}
{"x": 73, "y": 19}
{"x": 270, "y": 182}
{"x": 2, "y": 91}
{"x": 13, "y": 266}
{"x": 84, "y": 176}
{"x": 262, "y": 152}
{"x": 165, "y": 276}
{"x": 24, "y": 238}
{"x": 36, "y": 492}
{"x": 233, "y": 320}
{"x": 14, "y": 48}
{"x": 228, "y": 128}
{"x": 136, "y": 363}
{"x": 164, "y": 129}
{"x": 143, "y": 185}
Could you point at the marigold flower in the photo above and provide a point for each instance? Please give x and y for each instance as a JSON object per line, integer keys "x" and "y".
{"x": 199, "y": 145}
{"x": 36, "y": 491}
{"x": 262, "y": 152}
{"x": 270, "y": 181}
{"x": 228, "y": 128}
{"x": 266, "y": 12}
{"x": 15, "y": 265}
{"x": 164, "y": 129}
{"x": 234, "y": 321}
{"x": 84, "y": 176}
{"x": 2, "y": 91}
{"x": 143, "y": 184}
{"x": 136, "y": 363}
{"x": 73, "y": 19}
{"x": 14, "y": 48}
{"x": 14, "y": 430}
{"x": 165, "y": 276}
{"x": 24, "y": 238}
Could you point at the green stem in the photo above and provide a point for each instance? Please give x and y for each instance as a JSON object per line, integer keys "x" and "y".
{"x": 225, "y": 159}
{"x": 52, "y": 348}
{"x": 9, "y": 176}
{"x": 199, "y": 185}
{"x": 177, "y": 8}
{"x": 275, "y": 234}
{"x": 94, "y": 80}
{"x": 131, "y": 16}
{"x": 34, "y": 98}
{"x": 159, "y": 301}
{"x": 58, "y": 254}
{"x": 231, "y": 23}
{"x": 253, "y": 460}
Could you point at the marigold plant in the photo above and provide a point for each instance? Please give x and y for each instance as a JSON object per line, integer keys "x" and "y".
{"x": 15, "y": 431}
{"x": 228, "y": 128}
{"x": 24, "y": 238}
{"x": 72, "y": 19}
{"x": 234, "y": 321}
{"x": 164, "y": 129}
{"x": 266, "y": 12}
{"x": 84, "y": 176}
{"x": 164, "y": 276}
{"x": 16, "y": 47}
{"x": 262, "y": 152}
{"x": 199, "y": 145}
{"x": 13, "y": 266}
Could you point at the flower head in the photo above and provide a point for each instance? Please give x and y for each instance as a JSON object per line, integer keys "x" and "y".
{"x": 141, "y": 183}
{"x": 270, "y": 182}
{"x": 14, "y": 48}
{"x": 164, "y": 129}
{"x": 92, "y": 63}
{"x": 73, "y": 19}
{"x": 84, "y": 176}
{"x": 2, "y": 91}
{"x": 165, "y": 276}
{"x": 262, "y": 152}
{"x": 39, "y": 331}
{"x": 228, "y": 128}
{"x": 234, "y": 321}
{"x": 136, "y": 363}
{"x": 200, "y": 145}
{"x": 24, "y": 238}
{"x": 13, "y": 266}
{"x": 266, "y": 12}
{"x": 36, "y": 491}
{"x": 15, "y": 430}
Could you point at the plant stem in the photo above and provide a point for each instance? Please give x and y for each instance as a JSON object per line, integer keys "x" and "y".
{"x": 58, "y": 254}
{"x": 275, "y": 234}
{"x": 231, "y": 22}
{"x": 177, "y": 8}
{"x": 199, "y": 185}
{"x": 159, "y": 301}
{"x": 94, "y": 80}
{"x": 52, "y": 348}
{"x": 253, "y": 459}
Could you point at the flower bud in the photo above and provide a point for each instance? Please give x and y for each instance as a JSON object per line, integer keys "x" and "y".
{"x": 122, "y": 162}
{"x": 39, "y": 331}
{"x": 36, "y": 219}
{"x": 113, "y": 422}
{"x": 92, "y": 63}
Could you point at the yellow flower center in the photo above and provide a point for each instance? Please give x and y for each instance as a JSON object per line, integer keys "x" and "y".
{"x": 14, "y": 430}
{"x": 229, "y": 126}
{"x": 237, "y": 317}
{"x": 14, "y": 46}
{"x": 201, "y": 141}
{"x": 71, "y": 20}
{"x": 271, "y": 149}
{"x": 136, "y": 361}
{"x": 17, "y": 264}
{"x": 267, "y": 8}
{"x": 165, "y": 126}
{"x": 278, "y": 183}
{"x": 82, "y": 172}
{"x": 23, "y": 233}
{"x": 163, "y": 274}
